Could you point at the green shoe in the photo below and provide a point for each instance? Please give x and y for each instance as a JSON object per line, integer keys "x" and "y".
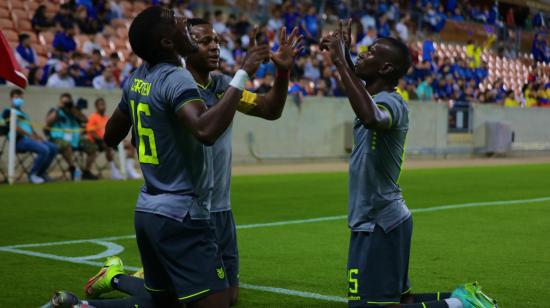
{"x": 468, "y": 296}
{"x": 484, "y": 298}
{"x": 101, "y": 282}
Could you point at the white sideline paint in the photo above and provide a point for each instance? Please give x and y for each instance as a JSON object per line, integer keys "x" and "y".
{"x": 113, "y": 248}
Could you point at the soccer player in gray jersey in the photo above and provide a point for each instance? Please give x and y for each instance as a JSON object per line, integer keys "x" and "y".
{"x": 172, "y": 127}
{"x": 380, "y": 222}
{"x": 212, "y": 87}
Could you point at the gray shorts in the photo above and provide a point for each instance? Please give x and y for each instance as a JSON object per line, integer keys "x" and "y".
{"x": 226, "y": 234}
{"x": 179, "y": 257}
{"x": 378, "y": 266}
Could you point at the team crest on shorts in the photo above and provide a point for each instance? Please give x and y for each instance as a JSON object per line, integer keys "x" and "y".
{"x": 221, "y": 273}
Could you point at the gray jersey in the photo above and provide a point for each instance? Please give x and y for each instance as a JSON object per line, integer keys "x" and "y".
{"x": 176, "y": 166}
{"x": 221, "y": 149}
{"x": 375, "y": 166}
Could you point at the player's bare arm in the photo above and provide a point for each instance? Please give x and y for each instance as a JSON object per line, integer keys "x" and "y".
{"x": 270, "y": 106}
{"x": 361, "y": 101}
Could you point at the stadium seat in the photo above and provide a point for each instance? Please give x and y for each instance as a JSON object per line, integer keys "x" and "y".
{"x": 32, "y": 6}
{"x": 10, "y": 35}
{"x": 4, "y": 12}
{"x": 20, "y": 14}
{"x": 6, "y": 24}
{"x": 16, "y": 4}
{"x": 24, "y": 25}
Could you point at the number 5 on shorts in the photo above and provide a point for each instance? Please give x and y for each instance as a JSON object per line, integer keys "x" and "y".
{"x": 143, "y": 108}
{"x": 353, "y": 282}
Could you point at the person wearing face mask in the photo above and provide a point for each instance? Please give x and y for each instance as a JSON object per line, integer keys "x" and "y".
{"x": 29, "y": 141}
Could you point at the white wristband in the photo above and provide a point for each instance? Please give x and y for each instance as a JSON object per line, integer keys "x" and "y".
{"x": 239, "y": 80}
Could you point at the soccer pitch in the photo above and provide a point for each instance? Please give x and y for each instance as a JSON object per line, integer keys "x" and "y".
{"x": 489, "y": 224}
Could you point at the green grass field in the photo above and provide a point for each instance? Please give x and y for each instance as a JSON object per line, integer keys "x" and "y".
{"x": 504, "y": 245}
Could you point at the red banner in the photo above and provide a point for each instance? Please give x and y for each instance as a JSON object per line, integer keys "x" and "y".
{"x": 9, "y": 68}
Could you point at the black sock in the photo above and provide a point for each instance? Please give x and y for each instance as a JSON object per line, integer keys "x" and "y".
{"x": 130, "y": 285}
{"x": 132, "y": 301}
{"x": 428, "y": 297}
{"x": 430, "y": 304}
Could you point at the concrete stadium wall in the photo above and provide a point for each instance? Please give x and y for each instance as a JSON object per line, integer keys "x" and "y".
{"x": 319, "y": 130}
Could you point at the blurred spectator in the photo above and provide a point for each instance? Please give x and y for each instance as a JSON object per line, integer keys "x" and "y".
{"x": 428, "y": 50}
{"x": 310, "y": 26}
{"x": 95, "y": 129}
{"x": 311, "y": 69}
{"x": 91, "y": 44}
{"x": 383, "y": 27}
{"x": 95, "y": 65}
{"x": 61, "y": 78}
{"x": 368, "y": 20}
{"x": 266, "y": 85}
{"x": 114, "y": 61}
{"x": 291, "y": 16}
{"x": 64, "y": 126}
{"x": 40, "y": 21}
{"x": 275, "y": 22}
{"x": 367, "y": 40}
{"x": 424, "y": 91}
{"x": 64, "y": 40}
{"x": 105, "y": 81}
{"x": 29, "y": 141}
{"x": 64, "y": 17}
{"x": 473, "y": 51}
{"x": 401, "y": 28}
{"x": 401, "y": 89}
{"x": 219, "y": 23}
{"x": 510, "y": 100}
{"x": 24, "y": 53}
{"x": 79, "y": 76}
{"x": 538, "y": 48}
{"x": 116, "y": 9}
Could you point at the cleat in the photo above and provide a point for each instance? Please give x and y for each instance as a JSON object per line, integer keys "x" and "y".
{"x": 139, "y": 274}
{"x": 62, "y": 299}
{"x": 484, "y": 298}
{"x": 469, "y": 296}
{"x": 101, "y": 282}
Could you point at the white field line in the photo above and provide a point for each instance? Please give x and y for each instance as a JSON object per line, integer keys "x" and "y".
{"x": 101, "y": 241}
{"x": 300, "y": 221}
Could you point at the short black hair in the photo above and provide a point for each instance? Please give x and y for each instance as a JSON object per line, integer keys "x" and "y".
{"x": 401, "y": 58}
{"x": 15, "y": 92}
{"x": 99, "y": 99}
{"x": 23, "y": 36}
{"x": 67, "y": 95}
{"x": 96, "y": 52}
{"x": 218, "y": 13}
{"x": 146, "y": 30}
{"x": 197, "y": 21}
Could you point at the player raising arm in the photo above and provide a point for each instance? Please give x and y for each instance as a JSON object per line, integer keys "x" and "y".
{"x": 212, "y": 88}
{"x": 171, "y": 125}
{"x": 380, "y": 222}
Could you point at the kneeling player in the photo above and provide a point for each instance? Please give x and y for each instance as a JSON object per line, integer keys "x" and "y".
{"x": 171, "y": 125}
{"x": 380, "y": 222}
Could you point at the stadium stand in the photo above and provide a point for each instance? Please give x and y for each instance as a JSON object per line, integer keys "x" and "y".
{"x": 515, "y": 61}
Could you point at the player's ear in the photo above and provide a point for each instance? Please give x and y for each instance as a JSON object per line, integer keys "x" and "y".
{"x": 386, "y": 69}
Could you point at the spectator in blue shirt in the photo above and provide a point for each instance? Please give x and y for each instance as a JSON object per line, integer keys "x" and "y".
{"x": 64, "y": 40}
{"x": 40, "y": 21}
{"x": 428, "y": 50}
{"x": 64, "y": 17}
{"x": 310, "y": 26}
{"x": 383, "y": 27}
{"x": 24, "y": 53}
{"x": 538, "y": 49}
{"x": 29, "y": 141}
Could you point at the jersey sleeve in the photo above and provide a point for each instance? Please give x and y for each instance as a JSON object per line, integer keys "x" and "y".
{"x": 392, "y": 106}
{"x": 180, "y": 89}
{"x": 123, "y": 104}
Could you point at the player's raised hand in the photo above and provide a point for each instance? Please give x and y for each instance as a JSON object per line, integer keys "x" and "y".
{"x": 334, "y": 46}
{"x": 289, "y": 48}
{"x": 345, "y": 27}
{"x": 256, "y": 54}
